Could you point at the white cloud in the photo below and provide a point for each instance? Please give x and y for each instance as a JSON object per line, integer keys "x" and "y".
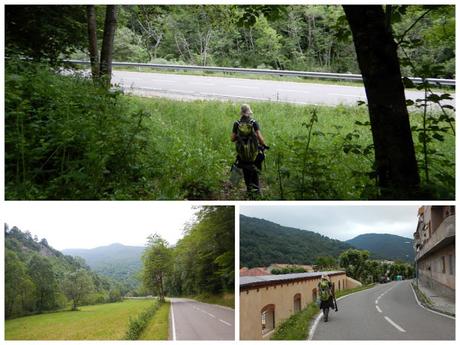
{"x": 340, "y": 222}
{"x": 92, "y": 224}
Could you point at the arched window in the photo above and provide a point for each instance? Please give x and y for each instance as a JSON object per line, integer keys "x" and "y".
{"x": 297, "y": 303}
{"x": 339, "y": 285}
{"x": 267, "y": 315}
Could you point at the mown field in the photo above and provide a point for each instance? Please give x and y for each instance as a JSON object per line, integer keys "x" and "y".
{"x": 66, "y": 139}
{"x": 95, "y": 322}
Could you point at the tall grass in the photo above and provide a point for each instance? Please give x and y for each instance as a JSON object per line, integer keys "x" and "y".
{"x": 66, "y": 139}
{"x": 297, "y": 326}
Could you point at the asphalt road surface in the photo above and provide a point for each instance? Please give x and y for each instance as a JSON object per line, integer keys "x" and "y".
{"x": 385, "y": 312}
{"x": 200, "y": 87}
{"x": 192, "y": 320}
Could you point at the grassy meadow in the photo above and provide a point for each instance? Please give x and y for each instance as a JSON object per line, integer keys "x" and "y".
{"x": 95, "y": 322}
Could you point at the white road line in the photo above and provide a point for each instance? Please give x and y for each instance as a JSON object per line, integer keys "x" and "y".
{"x": 202, "y": 84}
{"x": 377, "y": 301}
{"x": 245, "y": 87}
{"x": 173, "y": 324}
{"x": 177, "y": 90}
{"x": 343, "y": 95}
{"x": 299, "y": 91}
{"x": 225, "y": 322}
{"x": 211, "y": 315}
{"x": 162, "y": 80}
{"x": 378, "y": 309}
{"x": 399, "y": 328}
{"x": 234, "y": 96}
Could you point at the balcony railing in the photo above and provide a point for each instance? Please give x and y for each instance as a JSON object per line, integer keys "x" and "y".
{"x": 443, "y": 235}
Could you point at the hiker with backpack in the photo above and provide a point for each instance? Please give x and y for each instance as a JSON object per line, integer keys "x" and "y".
{"x": 250, "y": 146}
{"x": 326, "y": 296}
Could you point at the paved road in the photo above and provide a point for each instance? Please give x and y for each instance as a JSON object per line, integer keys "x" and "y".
{"x": 191, "y": 320}
{"x": 200, "y": 87}
{"x": 393, "y": 316}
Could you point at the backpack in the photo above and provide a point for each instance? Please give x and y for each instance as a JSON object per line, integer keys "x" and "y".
{"x": 247, "y": 145}
{"x": 324, "y": 291}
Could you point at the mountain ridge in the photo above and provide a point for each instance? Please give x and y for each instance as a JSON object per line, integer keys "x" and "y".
{"x": 385, "y": 246}
{"x": 263, "y": 242}
{"x": 115, "y": 260}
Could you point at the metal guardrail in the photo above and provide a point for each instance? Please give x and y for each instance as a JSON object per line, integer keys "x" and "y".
{"x": 318, "y": 75}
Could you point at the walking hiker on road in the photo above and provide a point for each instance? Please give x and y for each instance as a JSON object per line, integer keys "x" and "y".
{"x": 250, "y": 146}
{"x": 326, "y": 295}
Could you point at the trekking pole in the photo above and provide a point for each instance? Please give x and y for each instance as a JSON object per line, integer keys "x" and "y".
{"x": 335, "y": 302}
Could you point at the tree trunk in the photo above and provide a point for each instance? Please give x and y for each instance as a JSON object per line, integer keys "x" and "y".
{"x": 92, "y": 39}
{"x": 376, "y": 50}
{"x": 107, "y": 43}
{"x": 162, "y": 294}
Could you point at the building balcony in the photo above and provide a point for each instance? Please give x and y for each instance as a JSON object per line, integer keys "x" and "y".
{"x": 444, "y": 235}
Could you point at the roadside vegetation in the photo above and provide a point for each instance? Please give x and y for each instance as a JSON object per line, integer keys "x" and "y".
{"x": 297, "y": 326}
{"x": 226, "y": 300}
{"x": 136, "y": 325}
{"x": 95, "y": 322}
{"x": 200, "y": 265}
{"x": 85, "y": 143}
{"x": 158, "y": 327}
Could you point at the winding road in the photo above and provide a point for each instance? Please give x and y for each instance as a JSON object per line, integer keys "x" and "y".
{"x": 192, "y": 320}
{"x": 385, "y": 312}
{"x": 179, "y": 86}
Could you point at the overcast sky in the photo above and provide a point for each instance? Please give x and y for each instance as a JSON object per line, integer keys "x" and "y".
{"x": 341, "y": 222}
{"x": 91, "y": 224}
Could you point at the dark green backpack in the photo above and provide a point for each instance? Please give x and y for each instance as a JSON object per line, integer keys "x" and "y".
{"x": 247, "y": 145}
{"x": 324, "y": 291}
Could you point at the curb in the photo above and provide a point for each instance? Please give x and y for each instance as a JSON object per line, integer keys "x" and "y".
{"x": 429, "y": 308}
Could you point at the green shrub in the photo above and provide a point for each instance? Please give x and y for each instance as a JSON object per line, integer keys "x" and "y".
{"x": 66, "y": 138}
{"x": 137, "y": 325}
{"x": 297, "y": 326}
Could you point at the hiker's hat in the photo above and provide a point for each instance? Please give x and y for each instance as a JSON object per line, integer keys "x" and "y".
{"x": 324, "y": 276}
{"x": 246, "y": 110}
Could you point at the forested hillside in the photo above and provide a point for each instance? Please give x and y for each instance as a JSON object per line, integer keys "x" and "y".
{"x": 39, "y": 278}
{"x": 263, "y": 243}
{"x": 117, "y": 261}
{"x": 296, "y": 37}
{"x": 385, "y": 246}
{"x": 202, "y": 262}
